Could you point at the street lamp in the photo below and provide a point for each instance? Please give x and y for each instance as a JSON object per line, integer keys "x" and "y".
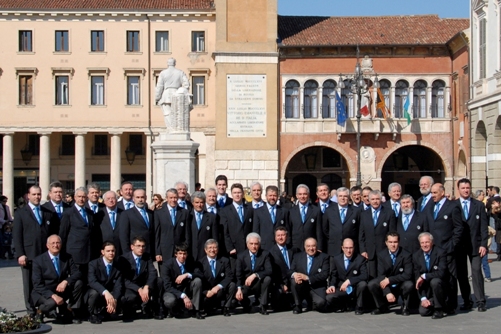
{"x": 358, "y": 87}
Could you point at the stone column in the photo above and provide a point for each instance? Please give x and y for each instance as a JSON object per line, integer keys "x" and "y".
{"x": 115, "y": 161}
{"x": 428, "y": 102}
{"x": 8, "y": 169}
{"x": 44, "y": 163}
{"x": 80, "y": 159}
{"x": 149, "y": 167}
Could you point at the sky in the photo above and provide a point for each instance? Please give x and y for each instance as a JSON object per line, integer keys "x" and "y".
{"x": 444, "y": 8}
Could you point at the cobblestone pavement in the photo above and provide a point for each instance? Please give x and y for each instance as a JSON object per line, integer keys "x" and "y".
{"x": 283, "y": 322}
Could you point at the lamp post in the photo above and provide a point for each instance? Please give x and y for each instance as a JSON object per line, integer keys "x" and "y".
{"x": 358, "y": 87}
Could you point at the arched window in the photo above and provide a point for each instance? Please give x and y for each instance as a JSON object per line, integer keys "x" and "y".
{"x": 437, "y": 99}
{"x": 419, "y": 99}
{"x": 311, "y": 99}
{"x": 292, "y": 99}
{"x": 329, "y": 99}
{"x": 401, "y": 92}
{"x": 348, "y": 99}
{"x": 384, "y": 86}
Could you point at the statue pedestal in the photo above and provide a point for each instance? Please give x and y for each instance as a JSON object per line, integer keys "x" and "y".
{"x": 174, "y": 156}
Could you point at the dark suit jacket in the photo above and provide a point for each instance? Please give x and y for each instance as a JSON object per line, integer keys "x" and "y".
{"x": 99, "y": 280}
{"x": 263, "y": 225}
{"x": 168, "y": 236}
{"x": 336, "y": 231}
{"x": 209, "y": 229}
{"x": 170, "y": 271}
{"x": 102, "y": 219}
{"x": 280, "y": 269}
{"x": 356, "y": 271}
{"x": 224, "y": 274}
{"x": 475, "y": 227}
{"x": 438, "y": 267}
{"x": 409, "y": 239}
{"x": 55, "y": 220}
{"x": 312, "y": 227}
{"x": 45, "y": 279}
{"x": 400, "y": 272}
{"x": 227, "y": 202}
{"x": 448, "y": 227}
{"x": 29, "y": 237}
{"x": 319, "y": 271}
{"x": 80, "y": 239}
{"x": 235, "y": 231}
{"x": 388, "y": 205}
{"x": 372, "y": 238}
{"x": 132, "y": 224}
{"x": 427, "y": 206}
{"x": 262, "y": 266}
{"x": 147, "y": 272}
{"x": 120, "y": 205}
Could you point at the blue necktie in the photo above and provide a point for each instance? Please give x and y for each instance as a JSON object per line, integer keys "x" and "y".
{"x": 94, "y": 208}
{"x": 182, "y": 268}
{"x": 423, "y": 204}
{"x": 393, "y": 258}
{"x": 211, "y": 209}
{"x": 324, "y": 206}
{"x": 253, "y": 261}
{"x": 406, "y": 222}
{"x": 310, "y": 262}
{"x": 272, "y": 214}
{"x": 374, "y": 217}
{"x": 346, "y": 263}
{"x": 342, "y": 215}
{"x": 108, "y": 269}
{"x": 395, "y": 209}
{"x": 55, "y": 260}
{"x": 182, "y": 204}
{"x": 58, "y": 210}
{"x": 256, "y": 206}
{"x": 303, "y": 213}
{"x": 241, "y": 214}
{"x": 145, "y": 217}
{"x": 221, "y": 202}
{"x": 427, "y": 260}
{"x": 286, "y": 257}
{"x": 128, "y": 205}
{"x": 84, "y": 216}
{"x": 437, "y": 208}
{"x": 465, "y": 209}
{"x": 199, "y": 220}
{"x": 112, "y": 219}
{"x": 173, "y": 216}
{"x": 138, "y": 265}
{"x": 213, "y": 267}
{"x": 37, "y": 215}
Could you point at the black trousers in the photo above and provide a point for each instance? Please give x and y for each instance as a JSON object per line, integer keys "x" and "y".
{"x": 341, "y": 299}
{"x": 403, "y": 289}
{"x": 259, "y": 288}
{"x": 303, "y": 291}
{"x": 225, "y": 295}
{"x": 131, "y": 299}
{"x": 435, "y": 293}
{"x": 477, "y": 278}
{"x": 28, "y": 287}
{"x": 452, "y": 287}
{"x": 73, "y": 293}
{"x": 96, "y": 302}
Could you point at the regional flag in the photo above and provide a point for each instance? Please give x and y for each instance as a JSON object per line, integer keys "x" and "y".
{"x": 381, "y": 105}
{"x": 340, "y": 110}
{"x": 407, "y": 113}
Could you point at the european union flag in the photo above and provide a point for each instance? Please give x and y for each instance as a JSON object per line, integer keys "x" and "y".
{"x": 341, "y": 110}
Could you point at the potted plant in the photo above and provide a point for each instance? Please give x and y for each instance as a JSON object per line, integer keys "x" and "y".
{"x": 11, "y": 323}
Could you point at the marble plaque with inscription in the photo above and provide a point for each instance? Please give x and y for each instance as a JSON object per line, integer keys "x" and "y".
{"x": 246, "y": 106}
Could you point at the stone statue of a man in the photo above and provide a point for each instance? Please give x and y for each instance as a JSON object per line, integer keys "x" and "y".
{"x": 172, "y": 95}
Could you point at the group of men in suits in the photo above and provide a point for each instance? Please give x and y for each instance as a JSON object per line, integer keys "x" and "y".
{"x": 357, "y": 227}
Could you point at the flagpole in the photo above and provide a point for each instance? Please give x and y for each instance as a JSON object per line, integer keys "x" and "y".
{"x": 359, "y": 116}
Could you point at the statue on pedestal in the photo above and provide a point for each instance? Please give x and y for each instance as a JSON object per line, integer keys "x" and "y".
{"x": 172, "y": 95}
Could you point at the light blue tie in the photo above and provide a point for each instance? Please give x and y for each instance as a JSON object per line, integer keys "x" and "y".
{"x": 211, "y": 209}
{"x": 94, "y": 208}
{"x": 241, "y": 214}
{"x": 324, "y": 206}
{"x": 272, "y": 214}
{"x": 182, "y": 268}
{"x": 199, "y": 220}
{"x": 173, "y": 216}
{"x": 393, "y": 258}
{"x": 427, "y": 260}
{"x": 138, "y": 265}
{"x": 374, "y": 217}
{"x": 58, "y": 210}
{"x": 55, "y": 260}
{"x": 310, "y": 262}
{"x": 108, "y": 269}
{"x": 303, "y": 213}
{"x": 213, "y": 267}
{"x": 437, "y": 209}
{"x": 128, "y": 205}
{"x": 145, "y": 217}
{"x": 286, "y": 257}
{"x": 37, "y": 215}
{"x": 346, "y": 264}
{"x": 253, "y": 261}
{"x": 221, "y": 202}
{"x": 342, "y": 215}
{"x": 112, "y": 219}
{"x": 423, "y": 204}
{"x": 182, "y": 204}
{"x": 256, "y": 206}
{"x": 465, "y": 209}
{"x": 84, "y": 216}
{"x": 406, "y": 222}
{"x": 395, "y": 209}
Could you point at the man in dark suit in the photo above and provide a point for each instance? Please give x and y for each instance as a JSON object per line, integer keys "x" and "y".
{"x": 424, "y": 202}
{"x": 323, "y": 196}
{"x": 236, "y": 219}
{"x": 473, "y": 246}
{"x": 340, "y": 221}
{"x": 107, "y": 219}
{"x": 348, "y": 275}
{"x": 375, "y": 224}
{"x": 269, "y": 217}
{"x": 126, "y": 191}
{"x": 182, "y": 190}
{"x": 78, "y": 232}
{"x": 410, "y": 224}
{"x": 253, "y": 271}
{"x": 309, "y": 272}
{"x": 211, "y": 202}
{"x": 305, "y": 220}
{"x": 444, "y": 222}
{"x": 394, "y": 192}
{"x": 356, "y": 196}
{"x": 182, "y": 280}
{"x": 137, "y": 221}
{"x": 430, "y": 271}
{"x": 56, "y": 205}
{"x": 204, "y": 226}
{"x": 281, "y": 258}
{"x": 217, "y": 279}
{"x": 223, "y": 199}
{"x": 56, "y": 278}
{"x": 31, "y": 229}
{"x": 366, "y": 203}
{"x": 140, "y": 281}
{"x": 105, "y": 283}
{"x": 394, "y": 269}
{"x": 172, "y": 227}
{"x": 256, "y": 192}
{"x": 93, "y": 194}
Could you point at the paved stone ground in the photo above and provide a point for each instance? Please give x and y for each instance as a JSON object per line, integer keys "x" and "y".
{"x": 285, "y": 322}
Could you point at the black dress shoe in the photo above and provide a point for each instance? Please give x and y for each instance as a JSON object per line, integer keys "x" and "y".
{"x": 359, "y": 311}
{"x": 76, "y": 321}
{"x": 199, "y": 315}
{"x": 451, "y": 312}
{"x": 94, "y": 319}
{"x": 226, "y": 312}
{"x": 263, "y": 310}
{"x": 297, "y": 310}
{"x": 481, "y": 307}
{"x": 437, "y": 315}
{"x": 466, "y": 307}
{"x": 379, "y": 311}
{"x": 405, "y": 311}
